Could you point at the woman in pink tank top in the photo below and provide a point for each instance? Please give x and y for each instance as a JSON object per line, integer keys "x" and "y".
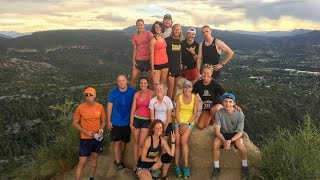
{"x": 159, "y": 57}
{"x": 140, "y": 118}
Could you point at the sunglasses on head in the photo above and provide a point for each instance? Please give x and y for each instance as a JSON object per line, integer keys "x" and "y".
{"x": 88, "y": 94}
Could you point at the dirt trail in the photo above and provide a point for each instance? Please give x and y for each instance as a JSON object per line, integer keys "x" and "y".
{"x": 200, "y": 160}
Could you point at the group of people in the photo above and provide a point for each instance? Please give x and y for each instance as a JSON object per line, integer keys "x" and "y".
{"x": 147, "y": 113}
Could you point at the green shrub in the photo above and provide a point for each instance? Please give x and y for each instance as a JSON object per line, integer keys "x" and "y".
{"x": 292, "y": 155}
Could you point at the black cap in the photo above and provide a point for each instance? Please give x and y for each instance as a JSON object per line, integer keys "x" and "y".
{"x": 167, "y": 16}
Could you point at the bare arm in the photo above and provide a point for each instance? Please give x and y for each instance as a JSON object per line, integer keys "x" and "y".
{"x": 199, "y": 60}
{"x": 178, "y": 109}
{"x": 134, "y": 55}
{"x": 133, "y": 109}
{"x": 152, "y": 114}
{"x": 236, "y": 136}
{"x": 217, "y": 129}
{"x": 169, "y": 112}
{"x": 109, "y": 111}
{"x": 222, "y": 46}
{"x": 165, "y": 145}
{"x": 78, "y": 126}
{"x": 152, "y": 44}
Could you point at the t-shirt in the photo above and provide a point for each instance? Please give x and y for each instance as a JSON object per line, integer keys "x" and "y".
{"x": 187, "y": 59}
{"x": 161, "y": 109}
{"x": 210, "y": 92}
{"x": 230, "y": 123}
{"x": 173, "y": 51}
{"x": 167, "y": 32}
{"x": 90, "y": 117}
{"x": 121, "y": 108}
{"x": 142, "y": 42}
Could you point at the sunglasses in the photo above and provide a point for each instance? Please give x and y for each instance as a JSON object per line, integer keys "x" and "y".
{"x": 88, "y": 94}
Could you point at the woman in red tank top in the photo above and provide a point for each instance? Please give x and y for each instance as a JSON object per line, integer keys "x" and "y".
{"x": 159, "y": 58}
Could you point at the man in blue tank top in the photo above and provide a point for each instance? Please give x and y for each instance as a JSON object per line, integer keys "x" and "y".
{"x": 210, "y": 50}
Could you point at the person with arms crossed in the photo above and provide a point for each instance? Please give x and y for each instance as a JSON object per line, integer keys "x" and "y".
{"x": 141, "y": 52}
{"x": 210, "y": 50}
{"x": 92, "y": 119}
{"x": 118, "y": 117}
{"x": 189, "y": 56}
{"x": 229, "y": 130}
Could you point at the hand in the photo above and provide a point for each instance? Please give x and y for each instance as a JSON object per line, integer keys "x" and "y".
{"x": 227, "y": 144}
{"x": 101, "y": 131}
{"x": 109, "y": 125}
{"x": 89, "y": 133}
{"x": 183, "y": 128}
{"x": 173, "y": 136}
{"x": 156, "y": 159}
{"x": 217, "y": 67}
{"x": 237, "y": 108}
{"x": 192, "y": 49}
{"x": 134, "y": 64}
{"x": 132, "y": 128}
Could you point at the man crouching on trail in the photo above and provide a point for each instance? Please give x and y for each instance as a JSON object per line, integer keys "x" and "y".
{"x": 228, "y": 129}
{"x": 92, "y": 119}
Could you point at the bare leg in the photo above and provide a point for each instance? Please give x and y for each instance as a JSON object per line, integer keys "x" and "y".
{"x": 93, "y": 163}
{"x": 135, "y": 74}
{"x": 136, "y": 148}
{"x": 241, "y": 149}
{"x": 216, "y": 149}
{"x": 151, "y": 83}
{"x": 81, "y": 164}
{"x": 176, "y": 80}
{"x": 213, "y": 111}
{"x": 117, "y": 151}
{"x": 170, "y": 87}
{"x": 164, "y": 75}
{"x": 185, "y": 146}
{"x": 156, "y": 76}
{"x": 144, "y": 175}
{"x": 143, "y": 135}
{"x": 204, "y": 119}
{"x": 177, "y": 148}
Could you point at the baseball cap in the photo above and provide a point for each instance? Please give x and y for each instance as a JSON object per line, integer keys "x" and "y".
{"x": 90, "y": 90}
{"x": 187, "y": 84}
{"x": 192, "y": 29}
{"x": 167, "y": 16}
{"x": 230, "y": 96}
{"x": 98, "y": 136}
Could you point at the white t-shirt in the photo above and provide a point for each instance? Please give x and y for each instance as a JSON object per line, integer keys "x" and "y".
{"x": 161, "y": 110}
{"x": 167, "y": 33}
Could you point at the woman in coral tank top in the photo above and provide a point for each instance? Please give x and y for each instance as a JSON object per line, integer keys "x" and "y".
{"x": 159, "y": 58}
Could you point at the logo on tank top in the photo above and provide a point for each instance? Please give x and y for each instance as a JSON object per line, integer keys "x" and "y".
{"x": 206, "y": 93}
{"x": 153, "y": 154}
{"x": 176, "y": 47}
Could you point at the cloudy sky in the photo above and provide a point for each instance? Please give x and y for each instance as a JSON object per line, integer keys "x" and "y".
{"x": 250, "y": 15}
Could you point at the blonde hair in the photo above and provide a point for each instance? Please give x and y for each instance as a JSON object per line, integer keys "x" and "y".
{"x": 139, "y": 20}
{"x": 207, "y": 66}
{"x": 180, "y": 35}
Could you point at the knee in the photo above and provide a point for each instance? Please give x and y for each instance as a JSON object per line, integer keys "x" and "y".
{"x": 201, "y": 126}
{"x": 166, "y": 158}
{"x": 184, "y": 143}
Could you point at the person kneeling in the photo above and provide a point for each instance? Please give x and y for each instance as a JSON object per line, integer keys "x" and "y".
{"x": 229, "y": 125}
{"x": 150, "y": 159}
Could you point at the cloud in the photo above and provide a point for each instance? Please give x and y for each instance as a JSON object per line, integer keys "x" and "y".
{"x": 111, "y": 17}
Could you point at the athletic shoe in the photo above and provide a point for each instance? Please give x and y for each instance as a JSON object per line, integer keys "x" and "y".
{"x": 119, "y": 166}
{"x": 156, "y": 174}
{"x": 186, "y": 172}
{"x": 178, "y": 171}
{"x": 215, "y": 173}
{"x": 245, "y": 171}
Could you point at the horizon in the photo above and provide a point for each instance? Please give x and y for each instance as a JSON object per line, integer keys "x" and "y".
{"x": 249, "y": 15}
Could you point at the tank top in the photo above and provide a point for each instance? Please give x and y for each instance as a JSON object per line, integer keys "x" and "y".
{"x": 151, "y": 153}
{"x": 160, "y": 53}
{"x": 210, "y": 54}
{"x": 143, "y": 111}
{"x": 186, "y": 110}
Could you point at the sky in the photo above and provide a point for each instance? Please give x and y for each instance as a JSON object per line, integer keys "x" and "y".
{"x": 248, "y": 15}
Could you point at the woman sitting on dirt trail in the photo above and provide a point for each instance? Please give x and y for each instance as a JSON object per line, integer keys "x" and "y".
{"x": 151, "y": 158}
{"x": 186, "y": 112}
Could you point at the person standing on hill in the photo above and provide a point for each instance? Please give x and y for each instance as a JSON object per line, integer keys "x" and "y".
{"x": 159, "y": 57}
{"x": 140, "y": 118}
{"x": 186, "y": 113}
{"x": 229, "y": 130}
{"x": 189, "y": 55}
{"x": 167, "y": 24}
{"x": 118, "y": 117}
{"x": 92, "y": 119}
{"x": 141, "y": 52}
{"x": 210, "y": 50}
{"x": 174, "y": 59}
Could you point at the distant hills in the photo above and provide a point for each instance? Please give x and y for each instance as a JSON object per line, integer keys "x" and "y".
{"x": 275, "y": 33}
{"x": 119, "y": 39}
{"x": 12, "y": 34}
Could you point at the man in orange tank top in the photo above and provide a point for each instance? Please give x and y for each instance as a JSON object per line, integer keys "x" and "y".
{"x": 92, "y": 118}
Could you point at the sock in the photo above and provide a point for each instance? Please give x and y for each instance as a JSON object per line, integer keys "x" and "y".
{"x": 245, "y": 163}
{"x": 216, "y": 164}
